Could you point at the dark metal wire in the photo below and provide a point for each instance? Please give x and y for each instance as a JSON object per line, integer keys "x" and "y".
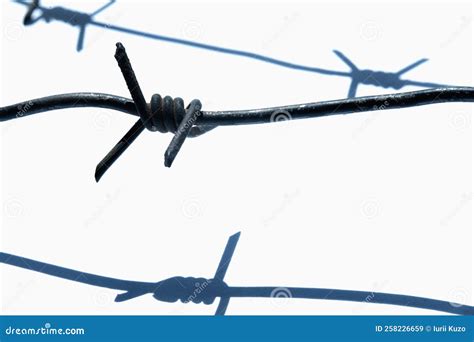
{"x": 206, "y": 291}
{"x": 64, "y": 101}
{"x": 169, "y": 115}
{"x": 250, "y": 116}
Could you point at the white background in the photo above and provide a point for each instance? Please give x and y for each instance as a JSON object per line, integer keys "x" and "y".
{"x": 378, "y": 201}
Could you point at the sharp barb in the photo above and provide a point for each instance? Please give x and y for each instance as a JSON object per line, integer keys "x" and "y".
{"x": 118, "y": 149}
{"x": 140, "y": 104}
{"x": 80, "y": 39}
{"x": 27, "y": 20}
{"x": 122, "y": 297}
{"x": 353, "y": 89}
{"x": 182, "y": 132}
{"x": 412, "y": 66}
{"x": 346, "y": 60}
{"x": 131, "y": 80}
{"x": 222, "y": 270}
{"x": 97, "y": 11}
{"x": 222, "y": 307}
{"x": 227, "y": 256}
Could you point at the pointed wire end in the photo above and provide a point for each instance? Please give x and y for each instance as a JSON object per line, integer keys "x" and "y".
{"x": 99, "y": 172}
{"x": 108, "y": 160}
{"x": 227, "y": 256}
{"x": 173, "y": 148}
{"x": 27, "y": 20}
{"x": 421, "y": 61}
{"x": 169, "y": 157}
{"x": 122, "y": 297}
{"x": 119, "y": 51}
{"x": 118, "y": 149}
{"x": 222, "y": 306}
{"x": 120, "y": 47}
{"x": 338, "y": 53}
{"x": 235, "y": 236}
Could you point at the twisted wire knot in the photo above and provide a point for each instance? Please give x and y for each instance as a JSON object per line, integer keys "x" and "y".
{"x": 165, "y": 114}
{"x": 190, "y": 289}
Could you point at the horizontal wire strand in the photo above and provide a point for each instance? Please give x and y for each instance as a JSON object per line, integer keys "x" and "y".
{"x": 251, "y": 116}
